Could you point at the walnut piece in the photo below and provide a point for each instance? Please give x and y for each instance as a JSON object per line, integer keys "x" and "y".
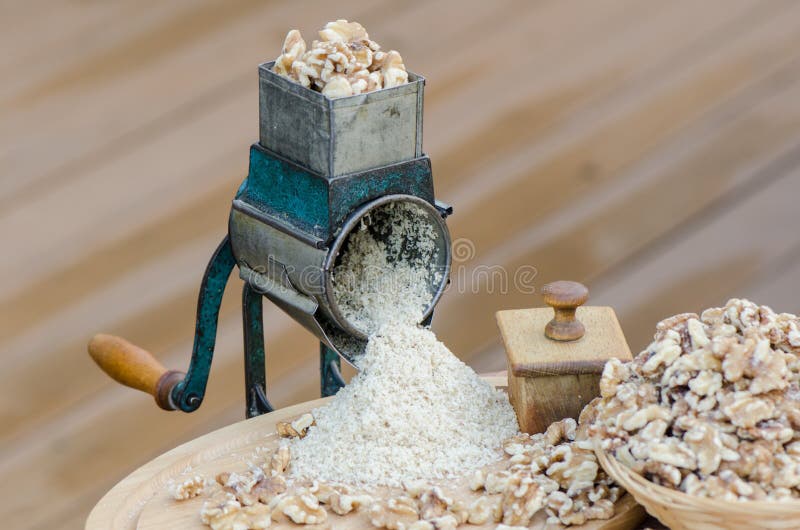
{"x": 521, "y": 500}
{"x": 268, "y": 488}
{"x": 279, "y": 462}
{"x": 344, "y": 62}
{"x": 343, "y": 503}
{"x": 188, "y": 489}
{"x": 478, "y": 479}
{"x": 394, "y": 514}
{"x": 224, "y": 512}
{"x": 297, "y": 428}
{"x": 496, "y": 482}
{"x": 434, "y": 503}
{"x": 559, "y": 431}
{"x": 483, "y": 509}
{"x": 343, "y": 31}
{"x": 300, "y": 509}
{"x": 241, "y": 485}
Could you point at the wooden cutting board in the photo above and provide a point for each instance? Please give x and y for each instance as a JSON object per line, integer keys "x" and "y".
{"x": 141, "y": 500}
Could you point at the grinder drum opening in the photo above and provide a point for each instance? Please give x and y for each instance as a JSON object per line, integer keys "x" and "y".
{"x": 391, "y": 265}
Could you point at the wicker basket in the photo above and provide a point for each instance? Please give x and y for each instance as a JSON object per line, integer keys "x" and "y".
{"x": 680, "y": 511}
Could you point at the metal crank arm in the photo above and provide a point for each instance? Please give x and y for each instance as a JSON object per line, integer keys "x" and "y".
{"x": 188, "y": 394}
{"x": 137, "y": 368}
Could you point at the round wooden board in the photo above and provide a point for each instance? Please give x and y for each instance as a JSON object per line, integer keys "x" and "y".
{"x": 141, "y": 501}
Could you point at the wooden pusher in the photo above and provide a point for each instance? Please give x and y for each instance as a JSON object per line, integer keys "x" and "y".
{"x": 556, "y": 356}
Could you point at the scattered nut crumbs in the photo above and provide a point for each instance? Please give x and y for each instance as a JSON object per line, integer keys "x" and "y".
{"x": 344, "y": 62}
{"x": 555, "y": 471}
{"x": 712, "y": 406}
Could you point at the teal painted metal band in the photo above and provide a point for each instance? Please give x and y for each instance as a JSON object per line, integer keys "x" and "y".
{"x": 189, "y": 393}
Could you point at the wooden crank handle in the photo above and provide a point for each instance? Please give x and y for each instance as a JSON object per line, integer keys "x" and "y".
{"x": 132, "y": 366}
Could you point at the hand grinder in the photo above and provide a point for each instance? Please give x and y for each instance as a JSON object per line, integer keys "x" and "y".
{"x": 320, "y": 167}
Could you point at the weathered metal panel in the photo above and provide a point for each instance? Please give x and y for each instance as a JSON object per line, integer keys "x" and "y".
{"x": 375, "y": 129}
{"x": 285, "y": 194}
{"x": 339, "y": 136}
{"x": 348, "y": 192}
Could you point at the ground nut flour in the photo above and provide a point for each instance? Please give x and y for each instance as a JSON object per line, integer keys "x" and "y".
{"x": 384, "y": 273}
{"x": 414, "y": 410}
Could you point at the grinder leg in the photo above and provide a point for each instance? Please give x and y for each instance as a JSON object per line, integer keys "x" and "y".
{"x": 255, "y": 377}
{"x": 329, "y": 371}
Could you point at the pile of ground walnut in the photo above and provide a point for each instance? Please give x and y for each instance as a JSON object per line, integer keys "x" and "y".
{"x": 343, "y": 62}
{"x": 414, "y": 415}
{"x": 712, "y": 406}
{"x": 384, "y": 275}
{"x": 414, "y": 411}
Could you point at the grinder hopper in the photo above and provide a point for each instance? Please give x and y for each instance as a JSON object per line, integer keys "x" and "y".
{"x": 321, "y": 166}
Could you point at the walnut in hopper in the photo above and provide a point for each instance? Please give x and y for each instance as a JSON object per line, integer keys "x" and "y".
{"x": 712, "y": 406}
{"x": 343, "y": 62}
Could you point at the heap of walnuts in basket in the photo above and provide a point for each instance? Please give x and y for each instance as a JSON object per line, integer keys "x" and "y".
{"x": 343, "y": 62}
{"x": 712, "y": 406}
{"x": 555, "y": 471}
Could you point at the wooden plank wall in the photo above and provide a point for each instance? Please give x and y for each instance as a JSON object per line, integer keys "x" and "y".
{"x": 650, "y": 149}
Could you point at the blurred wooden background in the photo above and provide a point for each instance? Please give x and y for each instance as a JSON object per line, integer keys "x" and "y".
{"x": 650, "y": 149}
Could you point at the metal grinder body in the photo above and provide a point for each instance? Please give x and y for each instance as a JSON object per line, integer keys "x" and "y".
{"x": 320, "y": 166}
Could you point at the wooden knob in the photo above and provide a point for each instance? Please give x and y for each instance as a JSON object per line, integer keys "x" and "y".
{"x": 134, "y": 367}
{"x": 564, "y": 297}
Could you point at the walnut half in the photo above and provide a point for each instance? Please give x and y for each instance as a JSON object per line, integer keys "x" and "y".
{"x": 188, "y": 489}
{"x": 300, "y": 509}
{"x": 297, "y": 428}
{"x": 224, "y": 512}
{"x": 395, "y": 514}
